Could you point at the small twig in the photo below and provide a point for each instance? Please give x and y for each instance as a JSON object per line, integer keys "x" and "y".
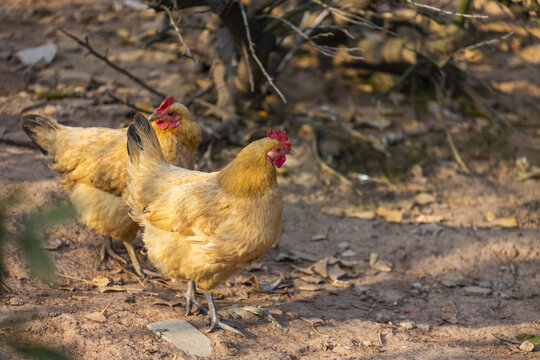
{"x": 440, "y": 116}
{"x": 313, "y": 326}
{"x": 187, "y": 52}
{"x": 105, "y": 309}
{"x": 255, "y": 57}
{"x": 486, "y": 42}
{"x": 453, "y": 13}
{"x": 79, "y": 279}
{"x": 379, "y": 336}
{"x": 352, "y": 18}
{"x": 91, "y": 50}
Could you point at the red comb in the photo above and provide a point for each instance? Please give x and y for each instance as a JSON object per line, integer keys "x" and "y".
{"x": 169, "y": 100}
{"x": 279, "y": 136}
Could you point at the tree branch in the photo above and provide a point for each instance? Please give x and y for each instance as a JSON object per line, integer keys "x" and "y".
{"x": 86, "y": 44}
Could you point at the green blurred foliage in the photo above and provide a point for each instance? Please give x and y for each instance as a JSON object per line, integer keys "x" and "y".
{"x": 40, "y": 352}
{"x": 32, "y": 233}
{"x": 30, "y": 237}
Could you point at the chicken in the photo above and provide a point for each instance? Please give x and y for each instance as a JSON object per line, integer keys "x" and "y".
{"x": 205, "y": 227}
{"x": 93, "y": 164}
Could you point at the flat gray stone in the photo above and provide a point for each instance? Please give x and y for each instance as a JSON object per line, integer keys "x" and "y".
{"x": 184, "y": 336}
{"x": 43, "y": 53}
{"x": 476, "y": 291}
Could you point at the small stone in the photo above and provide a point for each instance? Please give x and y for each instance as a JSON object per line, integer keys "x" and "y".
{"x": 425, "y": 327}
{"x": 318, "y": 237}
{"x": 342, "y": 246}
{"x": 407, "y": 324}
{"x": 476, "y": 291}
{"x": 453, "y": 279}
{"x": 432, "y": 229}
{"x": 526, "y": 346}
{"x": 382, "y": 318}
{"x": 416, "y": 285}
{"x": 16, "y": 301}
{"x": 360, "y": 290}
{"x": 348, "y": 253}
{"x": 32, "y": 56}
{"x": 485, "y": 284}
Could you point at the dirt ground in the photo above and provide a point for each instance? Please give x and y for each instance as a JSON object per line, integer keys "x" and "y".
{"x": 365, "y": 314}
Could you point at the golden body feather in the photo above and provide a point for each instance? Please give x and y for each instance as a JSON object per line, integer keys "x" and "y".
{"x": 205, "y": 226}
{"x": 93, "y": 164}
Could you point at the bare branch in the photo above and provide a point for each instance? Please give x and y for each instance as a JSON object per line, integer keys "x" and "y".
{"x": 187, "y": 52}
{"x": 86, "y": 44}
{"x": 255, "y": 57}
{"x": 329, "y": 51}
{"x": 352, "y": 18}
{"x": 287, "y": 58}
{"x": 433, "y": 8}
{"x": 248, "y": 64}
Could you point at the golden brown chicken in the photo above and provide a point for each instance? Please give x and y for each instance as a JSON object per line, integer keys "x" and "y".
{"x": 93, "y": 164}
{"x": 205, "y": 227}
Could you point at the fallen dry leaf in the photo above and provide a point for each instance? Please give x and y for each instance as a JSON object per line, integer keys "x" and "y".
{"x": 505, "y": 222}
{"x": 311, "y": 279}
{"x": 335, "y": 272}
{"x": 424, "y": 199}
{"x": 101, "y": 280}
{"x": 342, "y": 284}
{"x": 423, "y": 218}
{"x": 97, "y": 316}
{"x": 395, "y": 216}
{"x": 378, "y": 264}
{"x": 166, "y": 303}
{"x": 490, "y": 216}
{"x": 307, "y": 287}
{"x": 321, "y": 267}
{"x": 307, "y": 270}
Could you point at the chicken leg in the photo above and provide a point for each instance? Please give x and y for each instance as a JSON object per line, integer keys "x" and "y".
{"x": 214, "y": 318}
{"x": 134, "y": 259}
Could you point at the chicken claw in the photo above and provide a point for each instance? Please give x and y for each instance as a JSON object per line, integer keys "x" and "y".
{"x": 216, "y": 323}
{"x": 191, "y": 299}
{"x": 106, "y": 249}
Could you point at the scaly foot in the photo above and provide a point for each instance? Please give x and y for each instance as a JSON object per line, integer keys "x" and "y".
{"x": 216, "y": 323}
{"x": 106, "y": 249}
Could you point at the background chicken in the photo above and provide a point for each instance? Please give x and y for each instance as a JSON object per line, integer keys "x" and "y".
{"x": 204, "y": 227}
{"x": 93, "y": 164}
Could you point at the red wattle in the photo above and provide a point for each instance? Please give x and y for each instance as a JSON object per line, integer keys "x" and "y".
{"x": 162, "y": 124}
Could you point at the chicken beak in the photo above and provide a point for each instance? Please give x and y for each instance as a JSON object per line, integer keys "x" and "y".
{"x": 291, "y": 152}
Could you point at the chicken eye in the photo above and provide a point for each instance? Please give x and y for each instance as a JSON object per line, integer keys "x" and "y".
{"x": 170, "y": 113}
{"x": 278, "y": 150}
